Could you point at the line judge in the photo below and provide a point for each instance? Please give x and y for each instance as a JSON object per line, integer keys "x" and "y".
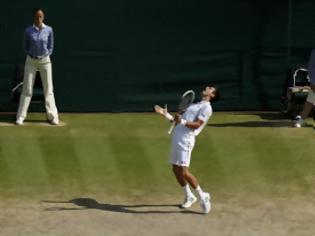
{"x": 38, "y": 45}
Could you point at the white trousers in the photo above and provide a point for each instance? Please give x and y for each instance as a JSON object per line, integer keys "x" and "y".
{"x": 42, "y": 65}
{"x": 311, "y": 97}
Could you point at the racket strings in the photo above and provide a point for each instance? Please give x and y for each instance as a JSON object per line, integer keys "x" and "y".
{"x": 185, "y": 102}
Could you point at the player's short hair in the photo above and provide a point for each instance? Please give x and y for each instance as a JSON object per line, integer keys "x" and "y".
{"x": 36, "y": 9}
{"x": 216, "y": 93}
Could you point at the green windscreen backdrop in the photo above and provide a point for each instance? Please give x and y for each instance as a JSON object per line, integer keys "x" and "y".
{"x": 127, "y": 55}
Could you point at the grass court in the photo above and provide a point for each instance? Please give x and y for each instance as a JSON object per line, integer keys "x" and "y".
{"x": 100, "y": 171}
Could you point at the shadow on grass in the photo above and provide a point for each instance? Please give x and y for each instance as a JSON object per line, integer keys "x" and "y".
{"x": 269, "y": 119}
{"x": 89, "y": 203}
{"x": 255, "y": 124}
{"x": 266, "y": 115}
{"x": 7, "y": 117}
{"x": 10, "y": 118}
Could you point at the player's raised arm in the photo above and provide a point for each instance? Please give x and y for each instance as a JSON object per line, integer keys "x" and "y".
{"x": 163, "y": 111}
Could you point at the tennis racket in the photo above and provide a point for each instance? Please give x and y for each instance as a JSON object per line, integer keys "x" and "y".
{"x": 186, "y": 99}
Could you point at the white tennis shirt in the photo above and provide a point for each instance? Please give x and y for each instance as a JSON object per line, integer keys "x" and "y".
{"x": 202, "y": 111}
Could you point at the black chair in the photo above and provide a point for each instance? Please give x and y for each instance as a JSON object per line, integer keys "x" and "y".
{"x": 17, "y": 85}
{"x": 296, "y": 91}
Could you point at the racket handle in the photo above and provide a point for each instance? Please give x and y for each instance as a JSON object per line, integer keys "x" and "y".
{"x": 171, "y": 128}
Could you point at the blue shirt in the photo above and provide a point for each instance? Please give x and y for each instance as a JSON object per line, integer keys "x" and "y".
{"x": 311, "y": 67}
{"x": 38, "y": 42}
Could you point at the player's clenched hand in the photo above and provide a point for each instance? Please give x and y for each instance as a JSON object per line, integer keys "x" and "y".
{"x": 160, "y": 110}
{"x": 163, "y": 112}
{"x": 177, "y": 118}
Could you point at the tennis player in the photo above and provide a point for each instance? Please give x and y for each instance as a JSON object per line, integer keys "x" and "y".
{"x": 188, "y": 126}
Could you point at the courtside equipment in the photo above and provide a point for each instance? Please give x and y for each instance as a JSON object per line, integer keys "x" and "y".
{"x": 297, "y": 91}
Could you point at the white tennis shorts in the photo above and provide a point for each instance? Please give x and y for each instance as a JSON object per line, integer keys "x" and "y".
{"x": 311, "y": 97}
{"x": 181, "y": 151}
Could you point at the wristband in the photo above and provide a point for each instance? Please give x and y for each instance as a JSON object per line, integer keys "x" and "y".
{"x": 183, "y": 122}
{"x": 169, "y": 116}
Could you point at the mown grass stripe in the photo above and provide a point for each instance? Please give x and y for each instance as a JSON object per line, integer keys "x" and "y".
{"x": 131, "y": 160}
{"x": 126, "y": 155}
{"x": 98, "y": 167}
{"x": 61, "y": 163}
{"x": 24, "y": 165}
{"x": 237, "y": 168}
{"x": 4, "y": 170}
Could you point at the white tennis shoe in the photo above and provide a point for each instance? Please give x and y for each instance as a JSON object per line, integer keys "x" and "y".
{"x": 54, "y": 121}
{"x": 189, "y": 200}
{"x": 298, "y": 122}
{"x": 205, "y": 203}
{"x": 19, "y": 121}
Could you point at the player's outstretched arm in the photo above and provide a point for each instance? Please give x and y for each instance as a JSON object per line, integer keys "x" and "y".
{"x": 189, "y": 124}
{"x": 194, "y": 125}
{"x": 163, "y": 112}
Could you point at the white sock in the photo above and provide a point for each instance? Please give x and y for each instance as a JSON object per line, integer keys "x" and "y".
{"x": 187, "y": 190}
{"x": 199, "y": 191}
